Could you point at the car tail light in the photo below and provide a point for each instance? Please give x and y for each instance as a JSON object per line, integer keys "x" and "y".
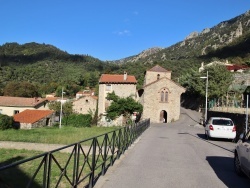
{"x": 211, "y": 127}
{"x": 234, "y": 129}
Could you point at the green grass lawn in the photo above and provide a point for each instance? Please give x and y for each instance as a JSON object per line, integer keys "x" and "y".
{"x": 53, "y": 135}
{"x": 20, "y": 175}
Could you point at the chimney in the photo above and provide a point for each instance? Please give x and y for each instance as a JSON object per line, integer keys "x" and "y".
{"x": 125, "y": 76}
{"x": 36, "y": 99}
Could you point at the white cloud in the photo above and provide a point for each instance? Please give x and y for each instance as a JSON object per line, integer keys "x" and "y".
{"x": 123, "y": 33}
{"x": 135, "y": 12}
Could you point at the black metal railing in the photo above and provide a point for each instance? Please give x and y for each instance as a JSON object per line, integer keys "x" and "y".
{"x": 75, "y": 165}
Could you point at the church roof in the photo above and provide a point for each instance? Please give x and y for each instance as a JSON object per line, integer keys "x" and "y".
{"x": 164, "y": 78}
{"x": 158, "y": 68}
{"x": 117, "y": 78}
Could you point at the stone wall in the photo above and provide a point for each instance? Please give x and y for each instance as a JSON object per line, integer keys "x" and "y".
{"x": 84, "y": 104}
{"x": 152, "y": 105}
{"x": 153, "y": 76}
{"x": 121, "y": 90}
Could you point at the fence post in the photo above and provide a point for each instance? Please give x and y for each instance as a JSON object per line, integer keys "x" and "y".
{"x": 45, "y": 170}
{"x": 105, "y": 154}
{"x": 113, "y": 148}
{"x": 49, "y": 169}
{"x": 76, "y": 164}
{"x": 92, "y": 176}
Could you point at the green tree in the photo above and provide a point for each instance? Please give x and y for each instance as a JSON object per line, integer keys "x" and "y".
{"x": 21, "y": 89}
{"x": 67, "y": 107}
{"x": 219, "y": 80}
{"x": 122, "y": 106}
{"x": 5, "y": 122}
{"x": 78, "y": 120}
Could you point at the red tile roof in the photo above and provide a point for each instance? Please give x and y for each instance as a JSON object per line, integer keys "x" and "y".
{"x": 20, "y": 101}
{"x": 236, "y": 67}
{"x": 117, "y": 78}
{"x": 31, "y": 116}
{"x": 50, "y": 99}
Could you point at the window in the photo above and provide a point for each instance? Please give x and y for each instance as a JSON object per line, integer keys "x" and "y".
{"x": 16, "y": 112}
{"x": 1, "y": 111}
{"x": 108, "y": 87}
{"x": 158, "y": 76}
{"x": 164, "y": 95}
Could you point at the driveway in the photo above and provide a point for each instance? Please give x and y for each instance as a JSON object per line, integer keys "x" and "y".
{"x": 175, "y": 155}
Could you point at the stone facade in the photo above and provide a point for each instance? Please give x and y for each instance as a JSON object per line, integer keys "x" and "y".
{"x": 122, "y": 85}
{"x": 160, "y": 96}
{"x": 85, "y": 104}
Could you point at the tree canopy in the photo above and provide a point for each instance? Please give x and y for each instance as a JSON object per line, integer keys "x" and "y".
{"x": 219, "y": 80}
{"x": 122, "y": 106}
{"x": 21, "y": 89}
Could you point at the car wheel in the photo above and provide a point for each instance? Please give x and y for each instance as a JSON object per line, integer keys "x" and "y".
{"x": 237, "y": 167}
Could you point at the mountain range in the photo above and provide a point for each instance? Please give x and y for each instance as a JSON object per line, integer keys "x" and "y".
{"x": 44, "y": 63}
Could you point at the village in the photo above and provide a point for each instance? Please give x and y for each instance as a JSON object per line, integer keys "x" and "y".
{"x": 160, "y": 97}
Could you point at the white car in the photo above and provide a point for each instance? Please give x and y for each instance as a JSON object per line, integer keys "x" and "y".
{"x": 242, "y": 155}
{"x": 220, "y": 127}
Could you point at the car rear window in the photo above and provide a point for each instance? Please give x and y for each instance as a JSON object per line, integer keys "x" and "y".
{"x": 222, "y": 122}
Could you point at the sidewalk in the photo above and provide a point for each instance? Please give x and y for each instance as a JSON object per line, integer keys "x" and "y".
{"x": 35, "y": 146}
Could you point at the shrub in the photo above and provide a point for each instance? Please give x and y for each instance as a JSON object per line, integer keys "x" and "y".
{"x": 78, "y": 120}
{"x": 5, "y": 122}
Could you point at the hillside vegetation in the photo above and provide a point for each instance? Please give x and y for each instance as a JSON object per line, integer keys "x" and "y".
{"x": 49, "y": 68}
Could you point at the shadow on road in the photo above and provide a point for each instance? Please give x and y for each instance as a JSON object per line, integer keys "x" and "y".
{"x": 223, "y": 167}
{"x": 202, "y": 137}
{"x": 184, "y": 113}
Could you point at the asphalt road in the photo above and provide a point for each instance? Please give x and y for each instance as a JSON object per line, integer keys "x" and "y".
{"x": 175, "y": 155}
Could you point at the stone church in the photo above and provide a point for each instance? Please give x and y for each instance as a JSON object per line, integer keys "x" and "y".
{"x": 160, "y": 96}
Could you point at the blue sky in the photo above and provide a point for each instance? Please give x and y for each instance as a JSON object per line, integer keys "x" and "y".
{"x": 111, "y": 29}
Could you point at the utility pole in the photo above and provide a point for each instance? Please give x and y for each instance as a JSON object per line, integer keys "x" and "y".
{"x": 206, "y": 94}
{"x": 60, "y": 124}
{"x": 247, "y": 113}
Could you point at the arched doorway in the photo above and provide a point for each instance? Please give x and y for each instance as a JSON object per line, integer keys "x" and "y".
{"x": 163, "y": 116}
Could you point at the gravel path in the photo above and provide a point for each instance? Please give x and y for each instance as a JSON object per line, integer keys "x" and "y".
{"x": 35, "y": 146}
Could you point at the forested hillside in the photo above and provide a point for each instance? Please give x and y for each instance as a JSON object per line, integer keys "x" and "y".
{"x": 45, "y": 65}
{"x": 48, "y": 68}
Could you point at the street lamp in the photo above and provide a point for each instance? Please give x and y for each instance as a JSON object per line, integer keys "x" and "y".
{"x": 206, "y": 94}
{"x": 247, "y": 113}
{"x": 60, "y": 124}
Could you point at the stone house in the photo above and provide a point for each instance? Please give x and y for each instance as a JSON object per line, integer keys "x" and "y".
{"x": 28, "y": 119}
{"x": 86, "y": 92}
{"x": 84, "y": 104}
{"x": 123, "y": 86}
{"x": 160, "y": 96}
{"x": 13, "y": 105}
